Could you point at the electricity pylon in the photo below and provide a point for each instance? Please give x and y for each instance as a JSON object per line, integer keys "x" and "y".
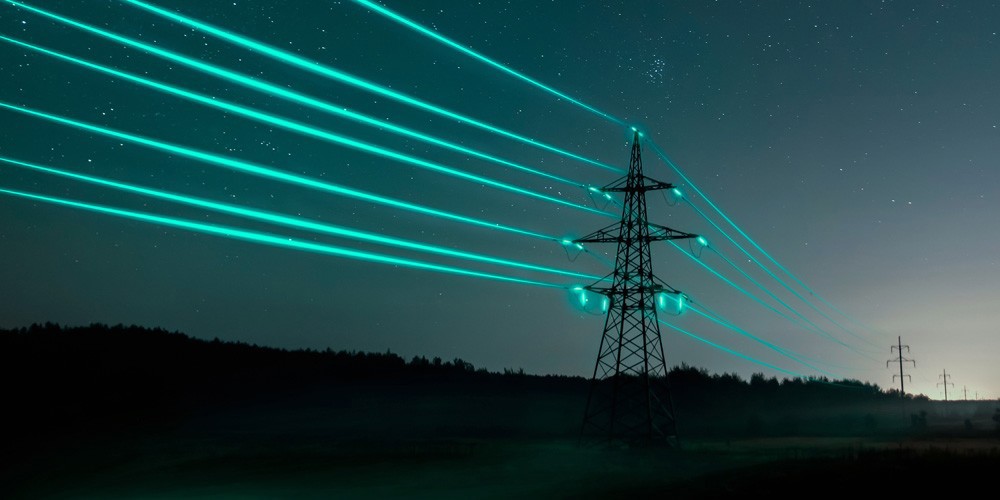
{"x": 898, "y": 348}
{"x": 629, "y": 401}
{"x": 944, "y": 376}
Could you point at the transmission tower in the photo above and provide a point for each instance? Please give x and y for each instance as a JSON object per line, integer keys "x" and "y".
{"x": 944, "y": 381}
{"x": 898, "y": 348}
{"x": 629, "y": 401}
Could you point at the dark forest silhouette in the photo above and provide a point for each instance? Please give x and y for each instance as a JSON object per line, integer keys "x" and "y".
{"x": 107, "y": 377}
{"x": 96, "y": 398}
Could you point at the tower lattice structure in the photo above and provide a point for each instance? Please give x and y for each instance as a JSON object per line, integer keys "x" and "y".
{"x": 629, "y": 400}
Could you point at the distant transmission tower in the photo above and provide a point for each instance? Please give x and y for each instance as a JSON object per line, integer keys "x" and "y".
{"x": 944, "y": 381}
{"x": 898, "y": 348}
{"x": 629, "y": 400}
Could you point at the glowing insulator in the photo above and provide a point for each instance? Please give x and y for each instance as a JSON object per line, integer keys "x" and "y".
{"x": 588, "y": 301}
{"x": 670, "y": 302}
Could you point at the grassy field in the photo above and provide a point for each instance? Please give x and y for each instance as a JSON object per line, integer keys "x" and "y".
{"x": 241, "y": 466}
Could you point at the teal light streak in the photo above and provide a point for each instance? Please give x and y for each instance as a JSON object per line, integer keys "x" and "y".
{"x": 469, "y": 52}
{"x": 778, "y": 349}
{"x": 735, "y": 286}
{"x": 343, "y": 77}
{"x": 274, "y": 240}
{"x": 312, "y": 131}
{"x": 813, "y": 326}
{"x": 731, "y": 351}
{"x": 294, "y": 222}
{"x": 276, "y": 90}
{"x": 719, "y": 211}
{"x": 769, "y": 272}
{"x": 269, "y": 173}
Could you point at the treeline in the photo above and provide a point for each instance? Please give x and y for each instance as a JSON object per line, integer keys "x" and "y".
{"x": 114, "y": 377}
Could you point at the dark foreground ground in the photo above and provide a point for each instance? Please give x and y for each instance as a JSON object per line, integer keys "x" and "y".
{"x": 105, "y": 412}
{"x": 288, "y": 467}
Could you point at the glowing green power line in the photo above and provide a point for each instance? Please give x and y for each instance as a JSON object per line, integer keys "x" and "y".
{"x": 270, "y": 173}
{"x": 343, "y": 77}
{"x": 294, "y": 222}
{"x": 275, "y": 240}
{"x": 737, "y": 287}
{"x": 284, "y": 242}
{"x": 768, "y": 271}
{"x": 778, "y": 349}
{"x": 731, "y": 351}
{"x": 279, "y": 91}
{"x": 469, "y": 52}
{"x": 719, "y": 211}
{"x": 314, "y": 132}
{"x": 746, "y": 275}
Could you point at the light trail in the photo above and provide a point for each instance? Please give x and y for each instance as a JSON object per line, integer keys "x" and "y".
{"x": 285, "y": 242}
{"x": 768, "y": 271}
{"x": 298, "y": 223}
{"x": 731, "y": 351}
{"x": 134, "y": 2}
{"x": 728, "y": 324}
{"x": 476, "y": 55}
{"x": 272, "y": 89}
{"x": 317, "y": 133}
{"x": 274, "y": 240}
{"x": 338, "y": 75}
{"x": 754, "y": 297}
{"x": 262, "y": 171}
{"x": 780, "y": 350}
{"x": 802, "y": 317}
{"x": 663, "y": 156}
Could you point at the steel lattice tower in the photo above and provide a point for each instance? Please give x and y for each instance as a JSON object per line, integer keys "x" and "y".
{"x": 629, "y": 400}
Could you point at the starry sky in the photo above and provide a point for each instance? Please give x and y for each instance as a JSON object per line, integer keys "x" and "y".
{"x": 857, "y": 142}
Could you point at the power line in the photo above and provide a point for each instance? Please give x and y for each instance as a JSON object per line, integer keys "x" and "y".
{"x": 944, "y": 382}
{"x": 276, "y": 90}
{"x": 342, "y": 140}
{"x": 768, "y": 271}
{"x": 389, "y": 14}
{"x": 666, "y": 159}
{"x": 294, "y": 222}
{"x": 343, "y": 77}
{"x": 629, "y": 400}
{"x": 506, "y": 69}
{"x": 262, "y": 171}
{"x": 898, "y": 348}
{"x": 275, "y": 240}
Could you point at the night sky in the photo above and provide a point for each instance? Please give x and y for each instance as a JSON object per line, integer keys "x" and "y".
{"x": 857, "y": 142}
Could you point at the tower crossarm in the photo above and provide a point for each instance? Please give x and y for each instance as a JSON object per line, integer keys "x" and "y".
{"x": 642, "y": 184}
{"x": 613, "y": 234}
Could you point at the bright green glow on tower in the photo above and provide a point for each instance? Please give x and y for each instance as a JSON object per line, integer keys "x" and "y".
{"x": 702, "y": 241}
{"x": 270, "y": 173}
{"x": 429, "y": 33}
{"x": 275, "y": 90}
{"x": 275, "y": 240}
{"x": 340, "y": 76}
{"x": 294, "y": 222}
{"x": 313, "y": 132}
{"x": 670, "y": 302}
